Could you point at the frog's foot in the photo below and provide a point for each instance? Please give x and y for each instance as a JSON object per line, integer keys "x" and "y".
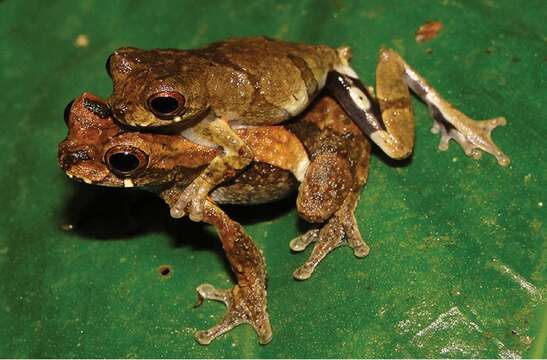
{"x": 473, "y": 136}
{"x": 388, "y": 119}
{"x": 244, "y": 305}
{"x": 340, "y": 229}
{"x": 191, "y": 200}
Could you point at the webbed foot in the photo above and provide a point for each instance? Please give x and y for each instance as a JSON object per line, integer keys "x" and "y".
{"x": 244, "y": 305}
{"x": 340, "y": 229}
{"x": 472, "y": 135}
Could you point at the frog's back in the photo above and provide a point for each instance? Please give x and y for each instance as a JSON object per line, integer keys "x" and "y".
{"x": 284, "y": 76}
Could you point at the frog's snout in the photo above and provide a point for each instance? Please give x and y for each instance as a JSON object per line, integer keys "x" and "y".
{"x": 80, "y": 164}
{"x": 70, "y": 158}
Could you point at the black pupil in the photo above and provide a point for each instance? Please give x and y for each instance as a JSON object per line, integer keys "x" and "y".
{"x": 124, "y": 161}
{"x": 164, "y": 104}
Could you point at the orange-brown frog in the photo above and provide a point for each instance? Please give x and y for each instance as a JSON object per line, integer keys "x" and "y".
{"x": 206, "y": 94}
{"x": 322, "y": 149}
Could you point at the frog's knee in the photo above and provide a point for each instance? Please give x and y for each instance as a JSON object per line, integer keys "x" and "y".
{"x": 327, "y": 182}
{"x": 344, "y": 53}
{"x": 387, "y": 54}
{"x": 395, "y": 148}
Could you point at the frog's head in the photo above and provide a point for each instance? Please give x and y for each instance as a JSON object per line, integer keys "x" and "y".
{"x": 97, "y": 151}
{"x": 153, "y": 88}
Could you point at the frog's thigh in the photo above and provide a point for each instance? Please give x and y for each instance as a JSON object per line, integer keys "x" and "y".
{"x": 326, "y": 184}
{"x": 390, "y": 125}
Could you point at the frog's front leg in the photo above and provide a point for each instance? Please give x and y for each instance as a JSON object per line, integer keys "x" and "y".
{"x": 340, "y": 229}
{"x": 246, "y": 302}
{"x": 391, "y": 126}
{"x": 235, "y": 157}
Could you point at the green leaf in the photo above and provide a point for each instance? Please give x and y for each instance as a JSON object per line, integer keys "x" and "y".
{"x": 457, "y": 261}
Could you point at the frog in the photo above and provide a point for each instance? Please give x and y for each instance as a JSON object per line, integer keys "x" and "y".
{"x": 205, "y": 94}
{"x": 322, "y": 155}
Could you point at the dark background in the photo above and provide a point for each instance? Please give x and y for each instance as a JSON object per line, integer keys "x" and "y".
{"x": 457, "y": 262}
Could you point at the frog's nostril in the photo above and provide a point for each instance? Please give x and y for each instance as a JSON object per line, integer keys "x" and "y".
{"x": 74, "y": 157}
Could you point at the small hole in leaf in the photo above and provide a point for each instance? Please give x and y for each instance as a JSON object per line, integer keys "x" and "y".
{"x": 164, "y": 270}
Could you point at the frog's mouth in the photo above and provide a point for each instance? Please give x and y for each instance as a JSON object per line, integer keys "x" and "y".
{"x": 91, "y": 172}
{"x": 80, "y": 165}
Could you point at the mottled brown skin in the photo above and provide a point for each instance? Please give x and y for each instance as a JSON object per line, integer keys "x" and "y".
{"x": 339, "y": 157}
{"x": 250, "y": 81}
{"x": 174, "y": 161}
{"x": 261, "y": 81}
{"x": 171, "y": 159}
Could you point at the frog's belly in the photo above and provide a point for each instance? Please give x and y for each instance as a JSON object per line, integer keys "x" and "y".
{"x": 260, "y": 183}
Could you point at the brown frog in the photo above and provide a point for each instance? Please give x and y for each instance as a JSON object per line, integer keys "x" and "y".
{"x": 322, "y": 149}
{"x": 207, "y": 93}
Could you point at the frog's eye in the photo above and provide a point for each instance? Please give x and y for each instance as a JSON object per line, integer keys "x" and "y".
{"x": 107, "y": 65}
{"x": 67, "y": 111}
{"x": 166, "y": 104}
{"x": 126, "y": 161}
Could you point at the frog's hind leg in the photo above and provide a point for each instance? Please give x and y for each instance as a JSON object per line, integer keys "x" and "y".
{"x": 329, "y": 195}
{"x": 390, "y": 124}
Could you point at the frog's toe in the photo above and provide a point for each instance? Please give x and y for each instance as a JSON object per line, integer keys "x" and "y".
{"x": 208, "y": 291}
{"x": 330, "y": 237}
{"x": 493, "y": 123}
{"x": 301, "y": 242}
{"x": 353, "y": 236}
{"x": 244, "y": 305}
{"x": 340, "y": 229}
{"x": 478, "y": 137}
{"x": 196, "y": 210}
{"x": 443, "y": 144}
{"x": 191, "y": 202}
{"x": 304, "y": 272}
{"x": 472, "y": 135}
{"x": 361, "y": 250}
{"x": 176, "y": 212}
